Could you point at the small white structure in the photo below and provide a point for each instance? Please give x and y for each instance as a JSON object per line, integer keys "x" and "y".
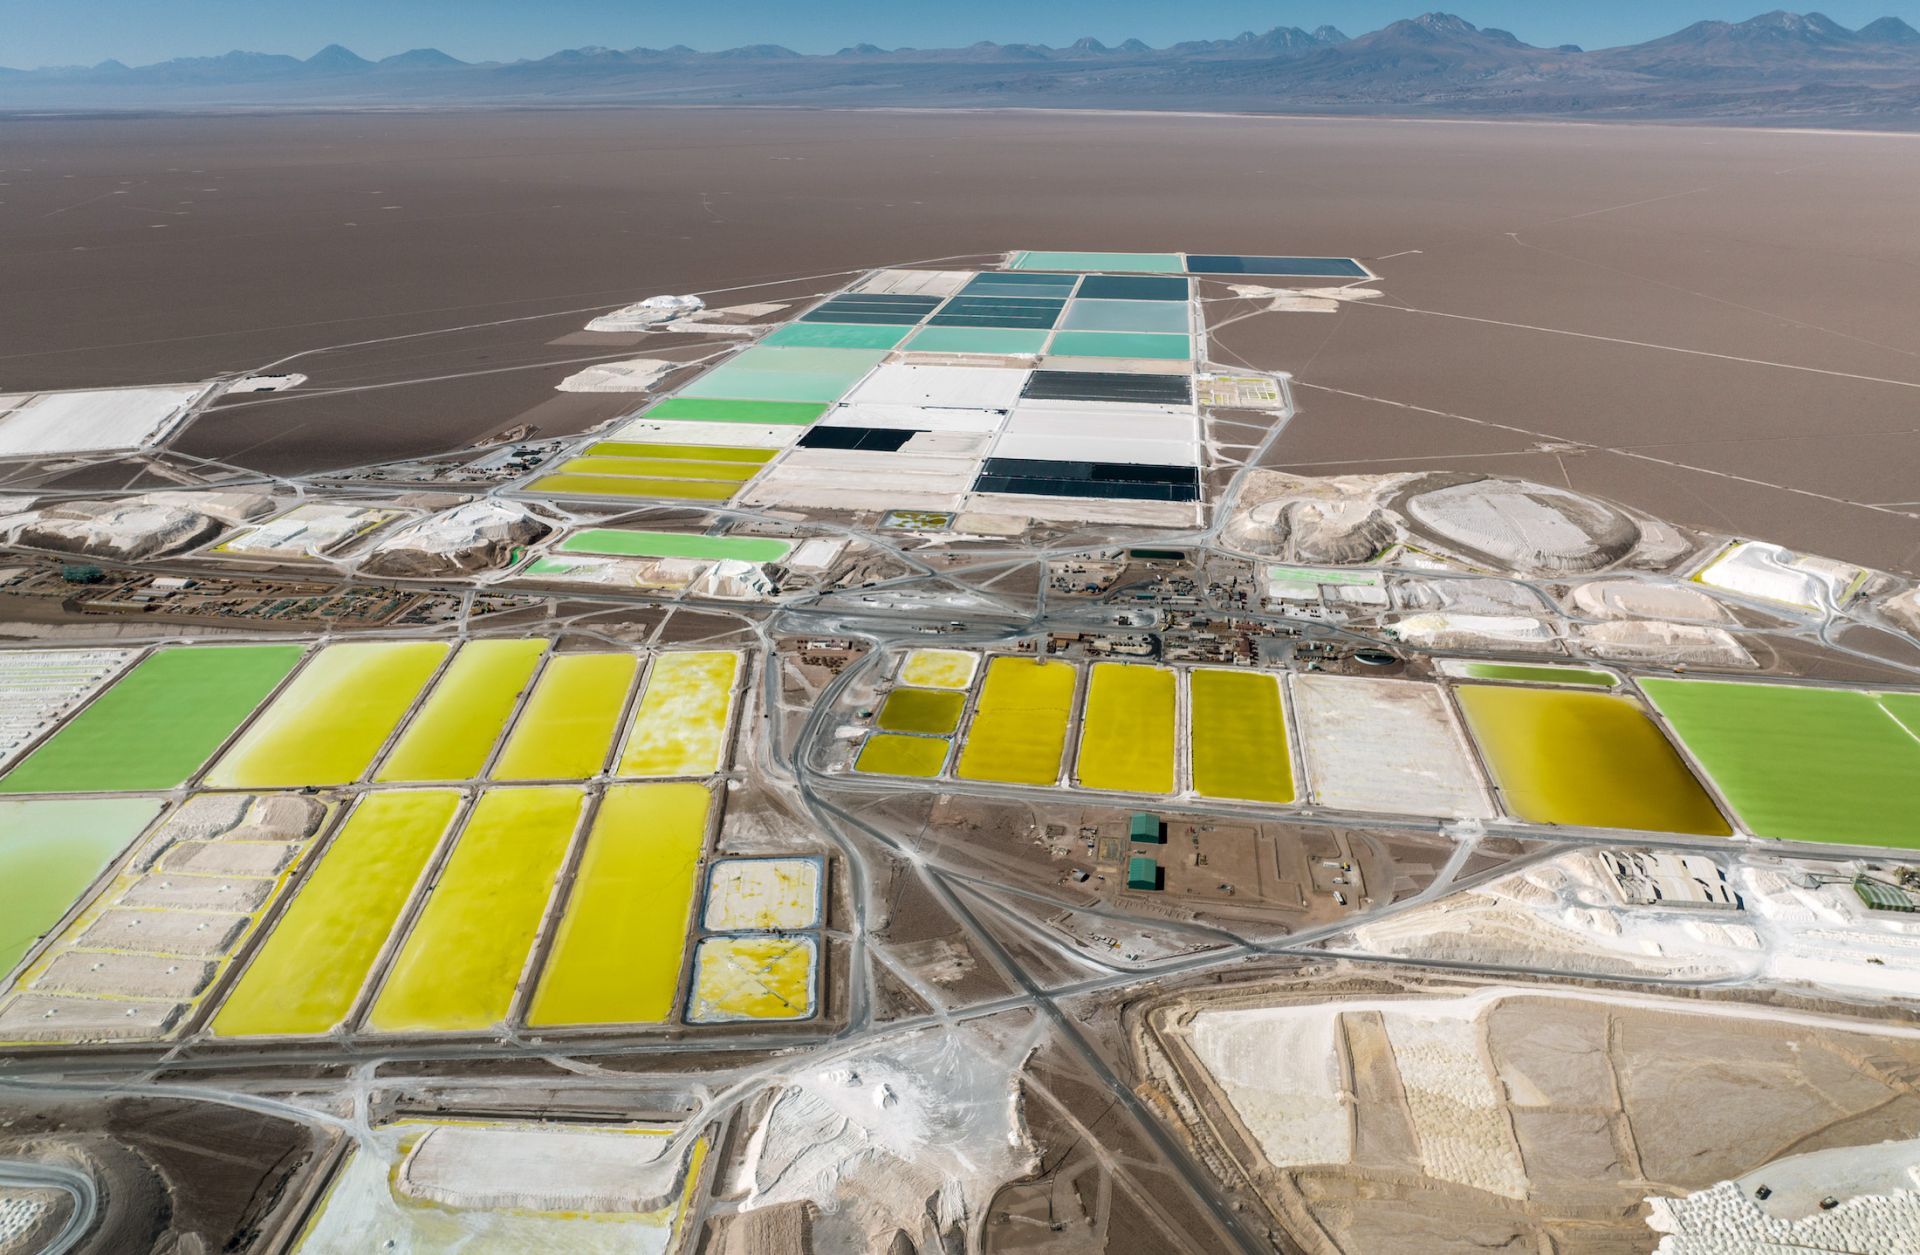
{"x": 267, "y": 383}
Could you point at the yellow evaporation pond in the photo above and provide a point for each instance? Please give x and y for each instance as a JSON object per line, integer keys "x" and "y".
{"x": 1019, "y": 725}
{"x": 306, "y": 977}
{"x": 565, "y": 728}
{"x": 680, "y": 727}
{"x": 939, "y": 668}
{"x": 885, "y": 755}
{"x": 1127, "y": 731}
{"x": 1239, "y": 736}
{"x": 752, "y": 978}
{"x": 463, "y": 959}
{"x": 1591, "y": 759}
{"x": 327, "y": 725}
{"x": 616, "y": 958}
{"x": 454, "y": 731}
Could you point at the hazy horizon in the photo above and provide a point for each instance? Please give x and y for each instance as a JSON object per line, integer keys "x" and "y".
{"x": 44, "y": 33}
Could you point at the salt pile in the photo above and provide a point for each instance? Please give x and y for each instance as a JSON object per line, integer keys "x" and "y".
{"x": 1473, "y": 631}
{"x": 648, "y": 313}
{"x": 636, "y": 374}
{"x": 1695, "y": 644}
{"x": 477, "y": 536}
{"x": 113, "y": 529}
{"x": 901, "y": 1137}
{"x": 1646, "y": 599}
{"x": 1770, "y": 573}
{"x": 1529, "y": 528}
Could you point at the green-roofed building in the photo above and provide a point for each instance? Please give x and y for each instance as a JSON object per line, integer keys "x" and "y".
{"x": 1143, "y": 873}
{"x": 1146, "y": 829}
{"x": 1881, "y": 896}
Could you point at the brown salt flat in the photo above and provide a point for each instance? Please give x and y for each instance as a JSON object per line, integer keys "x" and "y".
{"x": 1777, "y": 247}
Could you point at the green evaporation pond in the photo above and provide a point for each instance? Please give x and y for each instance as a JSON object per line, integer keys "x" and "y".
{"x": 759, "y": 413}
{"x": 159, "y": 724}
{"x": 1096, "y": 315}
{"x": 1121, "y": 344}
{"x": 991, "y": 340}
{"x": 614, "y": 542}
{"x": 1801, "y": 763}
{"x": 1521, "y": 673}
{"x": 833, "y": 335}
{"x": 51, "y": 850}
{"x": 1134, "y": 263}
{"x": 786, "y": 374}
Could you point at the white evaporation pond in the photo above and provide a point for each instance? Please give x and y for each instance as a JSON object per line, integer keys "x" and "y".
{"x": 92, "y": 422}
{"x": 1390, "y": 746}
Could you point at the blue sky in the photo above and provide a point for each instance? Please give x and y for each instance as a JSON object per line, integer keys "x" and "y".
{"x": 64, "y": 32}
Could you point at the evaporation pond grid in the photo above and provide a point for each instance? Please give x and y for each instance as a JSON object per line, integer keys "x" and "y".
{"x": 309, "y": 973}
{"x": 453, "y": 734}
{"x": 460, "y": 965}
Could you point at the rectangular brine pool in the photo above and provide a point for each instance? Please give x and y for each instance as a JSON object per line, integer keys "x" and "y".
{"x": 462, "y": 962}
{"x": 616, "y": 957}
{"x": 1019, "y": 728}
{"x": 1127, "y": 732}
{"x": 1588, "y": 759}
{"x": 680, "y": 725}
{"x": 569, "y": 722}
{"x": 452, "y": 735}
{"x": 1239, "y": 736}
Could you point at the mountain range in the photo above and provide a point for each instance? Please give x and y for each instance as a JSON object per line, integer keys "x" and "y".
{"x": 1779, "y": 67}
